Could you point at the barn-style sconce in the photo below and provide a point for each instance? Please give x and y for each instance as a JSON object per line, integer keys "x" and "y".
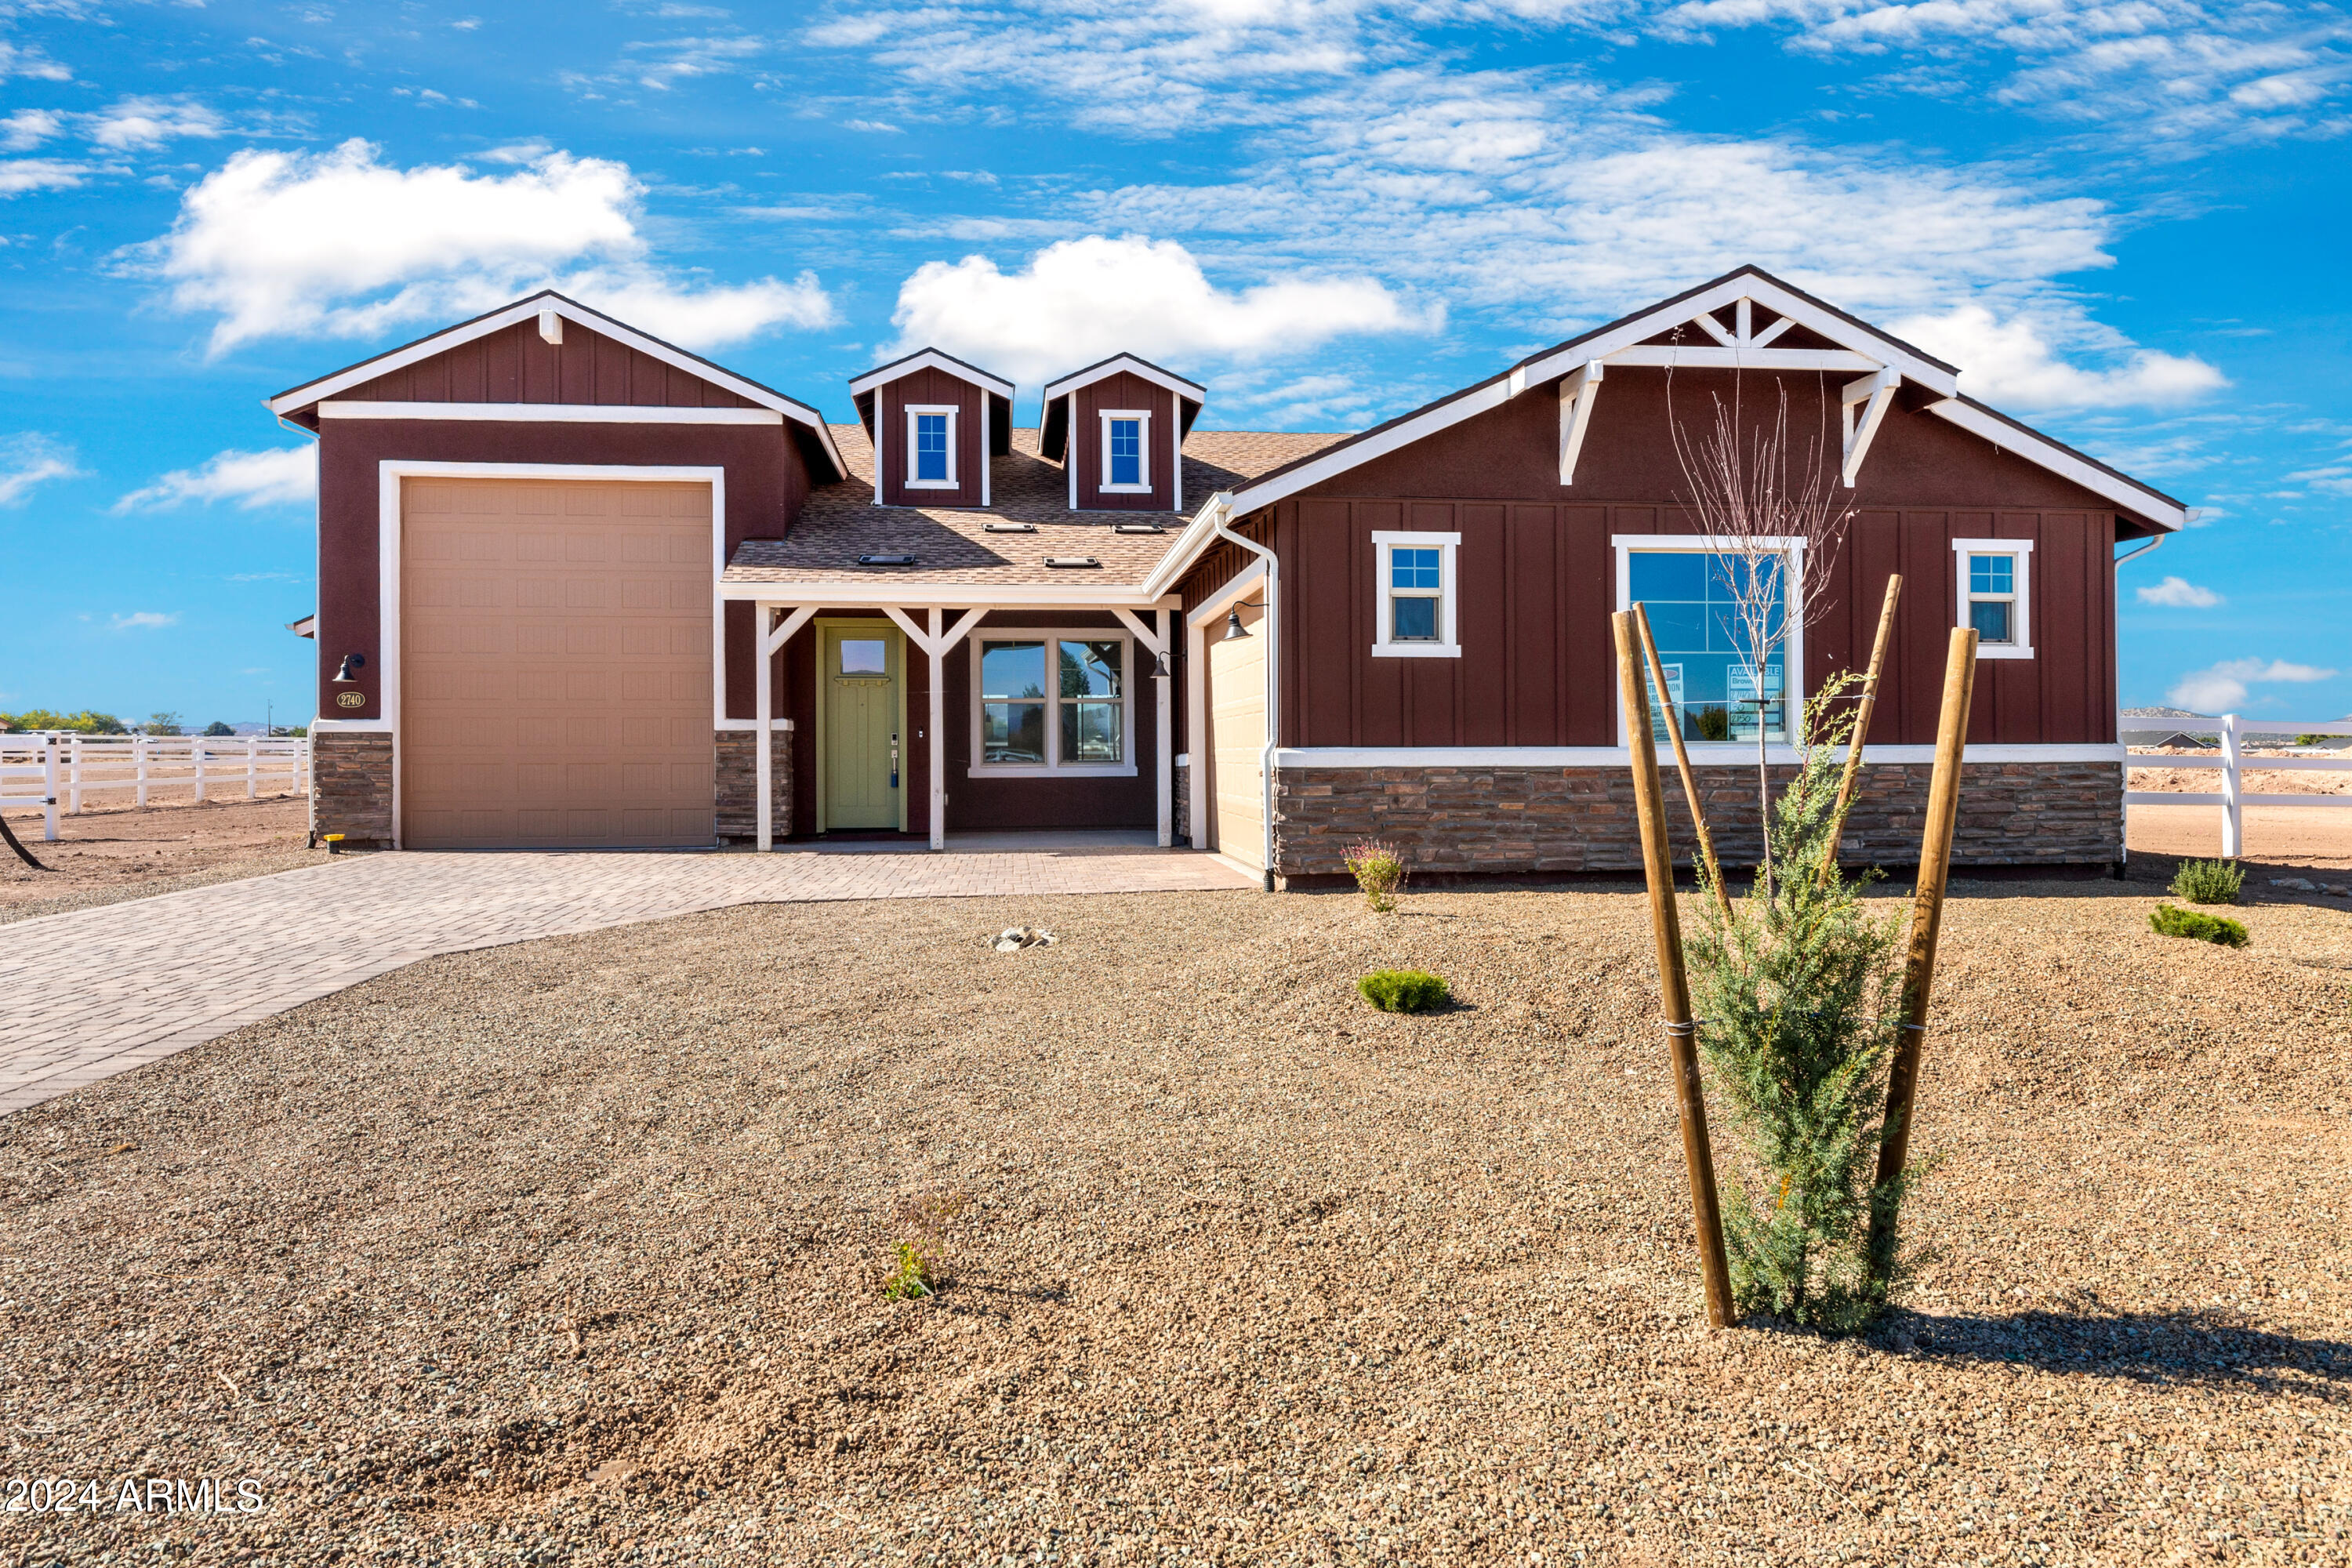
{"x": 1235, "y": 630}
{"x": 352, "y": 661}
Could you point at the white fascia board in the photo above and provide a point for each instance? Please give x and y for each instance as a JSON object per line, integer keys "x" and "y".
{"x": 929, "y": 359}
{"x": 1710, "y": 356}
{"x": 1478, "y": 400}
{"x": 1191, "y": 544}
{"x": 552, "y": 413}
{"x": 1877, "y": 349}
{"x": 1127, "y": 365}
{"x": 1731, "y": 755}
{"x": 871, "y": 593}
{"x": 530, "y": 311}
{"x": 2167, "y": 514}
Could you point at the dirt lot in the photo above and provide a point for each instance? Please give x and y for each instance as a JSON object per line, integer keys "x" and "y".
{"x": 567, "y": 1253}
{"x": 105, "y": 857}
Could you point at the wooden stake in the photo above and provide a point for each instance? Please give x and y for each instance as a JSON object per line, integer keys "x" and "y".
{"x": 1926, "y": 923}
{"x": 1674, "y": 984}
{"x": 1682, "y": 759}
{"x": 1862, "y": 713}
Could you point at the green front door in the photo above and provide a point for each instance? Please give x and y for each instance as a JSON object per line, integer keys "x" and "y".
{"x": 863, "y": 757}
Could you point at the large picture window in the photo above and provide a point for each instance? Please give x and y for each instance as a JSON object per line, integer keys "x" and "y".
{"x": 931, "y": 447}
{"x": 1714, "y": 677}
{"x": 1047, "y": 701}
{"x": 1996, "y": 580}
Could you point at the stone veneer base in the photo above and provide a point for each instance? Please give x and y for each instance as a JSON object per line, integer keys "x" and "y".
{"x": 738, "y": 784}
{"x": 1457, "y": 821}
{"x": 351, "y": 788}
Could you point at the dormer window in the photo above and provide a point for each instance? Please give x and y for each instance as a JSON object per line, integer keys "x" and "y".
{"x": 931, "y": 447}
{"x": 1127, "y": 450}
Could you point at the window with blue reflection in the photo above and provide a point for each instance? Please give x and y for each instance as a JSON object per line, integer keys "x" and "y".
{"x": 1691, "y": 598}
{"x": 1127, "y": 451}
{"x": 931, "y": 447}
{"x": 1992, "y": 597}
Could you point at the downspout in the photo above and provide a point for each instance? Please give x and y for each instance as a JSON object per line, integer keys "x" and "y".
{"x": 1273, "y": 686}
{"x": 2151, "y": 544}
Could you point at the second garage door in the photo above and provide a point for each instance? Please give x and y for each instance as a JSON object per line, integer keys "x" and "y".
{"x": 555, "y": 665}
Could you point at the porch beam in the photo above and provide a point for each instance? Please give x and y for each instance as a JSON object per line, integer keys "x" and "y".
{"x": 1671, "y": 355}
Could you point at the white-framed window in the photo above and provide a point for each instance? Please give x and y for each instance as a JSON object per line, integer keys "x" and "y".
{"x": 1414, "y": 585}
{"x": 1996, "y": 583}
{"x": 1051, "y": 701}
{"x": 1690, "y": 587}
{"x": 1126, "y": 449}
{"x": 931, "y": 447}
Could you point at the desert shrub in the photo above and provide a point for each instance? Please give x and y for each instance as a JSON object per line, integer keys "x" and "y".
{"x": 1378, "y": 871}
{"x": 85, "y": 723}
{"x": 2172, "y": 920}
{"x": 919, "y": 1262}
{"x": 1798, "y": 993}
{"x": 2208, "y": 881}
{"x": 1404, "y": 990}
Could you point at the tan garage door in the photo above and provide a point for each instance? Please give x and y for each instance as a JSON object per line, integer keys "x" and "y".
{"x": 1236, "y": 733}
{"x": 554, "y": 664}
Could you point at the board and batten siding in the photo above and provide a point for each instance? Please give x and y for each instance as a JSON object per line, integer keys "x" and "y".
{"x": 1124, "y": 390}
{"x": 932, "y": 385}
{"x": 514, "y": 365}
{"x": 1537, "y": 584}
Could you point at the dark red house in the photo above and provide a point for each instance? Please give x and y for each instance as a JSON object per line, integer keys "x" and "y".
{"x": 570, "y": 578}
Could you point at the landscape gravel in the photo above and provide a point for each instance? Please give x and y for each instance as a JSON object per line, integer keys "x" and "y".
{"x": 110, "y": 855}
{"x": 570, "y": 1252}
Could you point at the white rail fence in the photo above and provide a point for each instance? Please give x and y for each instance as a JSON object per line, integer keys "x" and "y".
{"x": 48, "y": 769}
{"x": 2235, "y": 764}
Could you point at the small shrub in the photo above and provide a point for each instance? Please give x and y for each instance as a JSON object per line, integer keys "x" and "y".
{"x": 2208, "y": 881}
{"x": 2171, "y": 920}
{"x": 911, "y": 1277}
{"x": 920, "y": 1263}
{"x": 1378, "y": 871}
{"x": 1404, "y": 990}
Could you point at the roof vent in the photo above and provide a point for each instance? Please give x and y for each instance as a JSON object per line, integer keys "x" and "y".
{"x": 1011, "y": 528}
{"x": 1139, "y": 527}
{"x": 1072, "y": 560}
{"x": 886, "y": 561}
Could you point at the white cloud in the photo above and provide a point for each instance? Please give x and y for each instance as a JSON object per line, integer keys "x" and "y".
{"x": 136, "y": 123}
{"x": 1081, "y": 299}
{"x": 28, "y": 461}
{"x": 18, "y": 175}
{"x": 2013, "y": 363}
{"x": 340, "y": 244}
{"x": 29, "y": 128}
{"x": 144, "y": 620}
{"x": 282, "y": 476}
{"x": 670, "y": 61}
{"x": 2336, "y": 479}
{"x": 27, "y": 60}
{"x": 2224, "y": 688}
{"x": 2179, "y": 594}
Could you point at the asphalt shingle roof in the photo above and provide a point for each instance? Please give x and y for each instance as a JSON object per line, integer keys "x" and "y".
{"x": 952, "y": 544}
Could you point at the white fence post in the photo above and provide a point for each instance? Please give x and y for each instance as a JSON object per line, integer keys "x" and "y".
{"x": 2233, "y": 823}
{"x": 73, "y": 776}
{"x": 139, "y": 766}
{"x": 252, "y": 757}
{"x": 197, "y": 751}
{"x": 49, "y": 787}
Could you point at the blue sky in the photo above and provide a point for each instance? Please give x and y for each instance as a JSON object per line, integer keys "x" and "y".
{"x": 2126, "y": 223}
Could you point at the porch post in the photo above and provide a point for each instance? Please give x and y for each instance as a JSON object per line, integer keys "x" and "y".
{"x": 1196, "y": 733}
{"x": 763, "y": 619}
{"x": 1166, "y": 625}
{"x": 938, "y": 735}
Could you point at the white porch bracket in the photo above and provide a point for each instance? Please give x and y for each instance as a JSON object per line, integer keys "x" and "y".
{"x": 1875, "y": 393}
{"x": 1165, "y": 762}
{"x": 936, "y": 642}
{"x": 1577, "y": 389}
{"x": 1143, "y": 634}
{"x": 773, "y": 637}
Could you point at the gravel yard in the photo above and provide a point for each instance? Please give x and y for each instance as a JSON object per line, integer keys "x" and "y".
{"x": 103, "y": 857}
{"x": 569, "y": 1252}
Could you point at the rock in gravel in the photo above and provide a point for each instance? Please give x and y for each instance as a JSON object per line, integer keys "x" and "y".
{"x": 1015, "y": 938}
{"x": 2296, "y": 884}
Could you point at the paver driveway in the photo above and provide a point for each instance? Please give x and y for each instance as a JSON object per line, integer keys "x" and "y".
{"x": 99, "y": 992}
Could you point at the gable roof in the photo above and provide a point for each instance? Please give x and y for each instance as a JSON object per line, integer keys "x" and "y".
{"x": 929, "y": 359}
{"x": 1053, "y": 427}
{"x": 295, "y": 398}
{"x": 1862, "y": 347}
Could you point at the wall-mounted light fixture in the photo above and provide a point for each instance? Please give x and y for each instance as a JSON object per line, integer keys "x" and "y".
{"x": 351, "y": 662}
{"x": 1233, "y": 628}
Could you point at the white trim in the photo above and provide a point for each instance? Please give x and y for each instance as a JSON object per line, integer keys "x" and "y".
{"x": 1579, "y": 390}
{"x": 1054, "y": 768}
{"x": 1124, "y": 364}
{"x": 391, "y": 472}
{"x": 551, "y": 413}
{"x": 2037, "y": 448}
{"x": 1792, "y": 643}
{"x": 1229, "y": 593}
{"x": 1703, "y": 754}
{"x": 1069, "y": 450}
{"x": 1142, "y": 416}
{"x": 929, "y": 359}
{"x": 596, "y": 321}
{"x": 550, "y": 327}
{"x": 878, "y": 591}
{"x": 2022, "y": 624}
{"x": 987, "y": 461}
{"x": 1701, "y": 357}
{"x": 1448, "y": 547}
{"x": 1877, "y": 393}
{"x": 912, "y": 410}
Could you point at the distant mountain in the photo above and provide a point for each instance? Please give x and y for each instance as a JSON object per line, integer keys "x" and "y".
{"x": 2164, "y": 713}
